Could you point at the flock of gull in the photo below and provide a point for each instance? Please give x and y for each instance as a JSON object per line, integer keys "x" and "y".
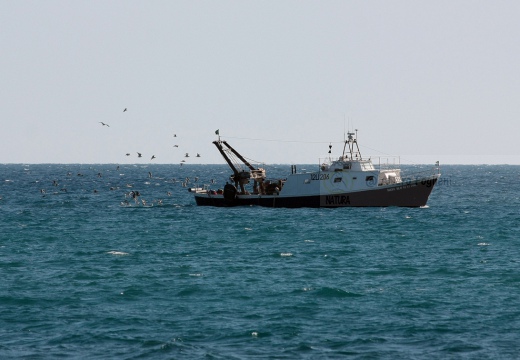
{"x": 92, "y": 180}
{"x": 113, "y": 181}
{"x": 132, "y": 197}
{"x": 140, "y": 155}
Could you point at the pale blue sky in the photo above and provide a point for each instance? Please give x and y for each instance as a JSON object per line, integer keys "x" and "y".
{"x": 427, "y": 80}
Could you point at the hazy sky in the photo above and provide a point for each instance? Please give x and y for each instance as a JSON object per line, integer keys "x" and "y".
{"x": 427, "y": 80}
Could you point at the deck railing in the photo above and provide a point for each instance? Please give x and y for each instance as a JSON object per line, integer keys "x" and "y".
{"x": 418, "y": 175}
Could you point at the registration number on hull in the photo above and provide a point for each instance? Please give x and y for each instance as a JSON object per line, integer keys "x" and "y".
{"x": 318, "y": 176}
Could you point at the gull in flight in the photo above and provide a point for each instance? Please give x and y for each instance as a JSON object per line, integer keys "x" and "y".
{"x": 124, "y": 110}
{"x": 102, "y": 123}
{"x": 139, "y": 154}
{"x": 153, "y": 157}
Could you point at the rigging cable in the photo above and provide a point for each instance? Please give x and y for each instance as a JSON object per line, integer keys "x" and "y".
{"x": 307, "y": 142}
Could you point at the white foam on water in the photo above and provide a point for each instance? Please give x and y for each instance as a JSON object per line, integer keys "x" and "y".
{"x": 118, "y": 253}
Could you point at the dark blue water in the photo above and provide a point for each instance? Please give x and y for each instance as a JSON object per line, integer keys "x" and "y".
{"x": 84, "y": 277}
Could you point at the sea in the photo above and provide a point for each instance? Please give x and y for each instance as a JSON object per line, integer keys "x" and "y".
{"x": 86, "y": 272}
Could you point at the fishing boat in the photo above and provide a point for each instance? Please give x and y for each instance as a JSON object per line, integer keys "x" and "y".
{"x": 349, "y": 180}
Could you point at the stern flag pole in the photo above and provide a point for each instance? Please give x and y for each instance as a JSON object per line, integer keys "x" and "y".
{"x": 217, "y": 132}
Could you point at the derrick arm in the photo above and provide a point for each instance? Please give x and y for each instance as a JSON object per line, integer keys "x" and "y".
{"x": 239, "y": 156}
{"x": 240, "y": 177}
{"x": 222, "y": 152}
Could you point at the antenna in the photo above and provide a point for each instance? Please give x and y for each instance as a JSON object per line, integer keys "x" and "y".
{"x": 344, "y": 118}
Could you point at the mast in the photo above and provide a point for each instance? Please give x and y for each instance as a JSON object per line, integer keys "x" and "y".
{"x": 353, "y": 147}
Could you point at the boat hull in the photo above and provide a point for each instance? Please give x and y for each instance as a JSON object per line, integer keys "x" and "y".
{"x": 406, "y": 194}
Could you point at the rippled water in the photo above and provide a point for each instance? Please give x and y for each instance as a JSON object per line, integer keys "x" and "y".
{"x": 85, "y": 277}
